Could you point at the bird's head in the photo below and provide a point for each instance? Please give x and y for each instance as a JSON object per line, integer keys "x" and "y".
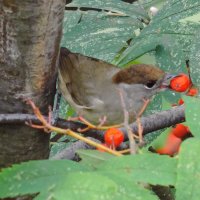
{"x": 148, "y": 78}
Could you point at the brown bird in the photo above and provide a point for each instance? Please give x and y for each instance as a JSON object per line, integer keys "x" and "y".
{"x": 91, "y": 86}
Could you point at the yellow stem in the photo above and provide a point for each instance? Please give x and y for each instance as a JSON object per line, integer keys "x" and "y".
{"x": 124, "y": 151}
{"x": 71, "y": 133}
{"x": 92, "y": 126}
{"x": 90, "y": 142}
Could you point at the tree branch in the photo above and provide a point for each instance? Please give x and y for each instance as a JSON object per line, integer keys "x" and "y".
{"x": 150, "y": 123}
{"x": 70, "y": 152}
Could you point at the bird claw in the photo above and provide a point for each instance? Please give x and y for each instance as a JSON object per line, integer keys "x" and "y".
{"x": 39, "y": 116}
{"x": 92, "y": 126}
{"x": 29, "y": 123}
{"x": 102, "y": 121}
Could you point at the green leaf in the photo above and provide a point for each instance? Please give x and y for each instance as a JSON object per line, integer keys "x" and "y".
{"x": 101, "y": 37}
{"x": 93, "y": 158}
{"x": 71, "y": 19}
{"x": 194, "y": 19}
{"x": 161, "y": 140}
{"x": 166, "y": 105}
{"x": 70, "y": 111}
{"x": 167, "y": 36}
{"x": 195, "y": 58}
{"x": 149, "y": 138}
{"x": 147, "y": 4}
{"x": 66, "y": 179}
{"x": 188, "y": 171}
{"x": 192, "y": 114}
{"x": 145, "y": 168}
{"x": 63, "y": 108}
{"x": 98, "y": 187}
{"x": 171, "y": 97}
{"x": 113, "y": 6}
{"x": 100, "y": 34}
{"x": 154, "y": 105}
{"x": 58, "y": 147}
{"x": 35, "y": 176}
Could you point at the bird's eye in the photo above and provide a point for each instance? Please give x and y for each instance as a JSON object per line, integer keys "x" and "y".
{"x": 150, "y": 84}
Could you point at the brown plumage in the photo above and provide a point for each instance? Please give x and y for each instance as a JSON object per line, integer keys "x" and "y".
{"x": 90, "y": 86}
{"x": 135, "y": 74}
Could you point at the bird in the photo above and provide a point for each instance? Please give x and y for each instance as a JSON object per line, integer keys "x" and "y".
{"x": 91, "y": 87}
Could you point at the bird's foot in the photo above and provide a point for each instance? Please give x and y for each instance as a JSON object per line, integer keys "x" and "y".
{"x": 92, "y": 126}
{"x": 39, "y": 116}
{"x": 83, "y": 120}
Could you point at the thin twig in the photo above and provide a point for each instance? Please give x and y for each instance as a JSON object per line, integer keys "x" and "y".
{"x": 138, "y": 121}
{"x": 140, "y": 130}
{"x": 92, "y": 126}
{"x": 133, "y": 145}
{"x": 68, "y": 131}
{"x": 146, "y": 102}
{"x": 124, "y": 151}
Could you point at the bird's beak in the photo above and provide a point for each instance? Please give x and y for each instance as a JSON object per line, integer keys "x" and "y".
{"x": 166, "y": 81}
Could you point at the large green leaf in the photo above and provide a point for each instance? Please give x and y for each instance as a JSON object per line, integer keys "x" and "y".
{"x": 93, "y": 158}
{"x": 195, "y": 57}
{"x": 188, "y": 171}
{"x": 101, "y": 34}
{"x": 145, "y": 168}
{"x": 101, "y": 38}
{"x": 95, "y": 186}
{"x": 192, "y": 114}
{"x": 121, "y": 7}
{"x": 168, "y": 35}
{"x": 64, "y": 179}
{"x": 35, "y": 176}
{"x": 147, "y": 4}
{"x": 160, "y": 141}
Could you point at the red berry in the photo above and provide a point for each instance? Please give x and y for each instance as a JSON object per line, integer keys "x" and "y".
{"x": 192, "y": 92}
{"x": 113, "y": 137}
{"x": 180, "y": 101}
{"x": 180, "y": 83}
{"x": 180, "y": 130}
{"x": 171, "y": 146}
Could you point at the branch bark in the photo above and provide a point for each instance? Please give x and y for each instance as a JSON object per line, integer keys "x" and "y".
{"x": 30, "y": 33}
{"x": 149, "y": 123}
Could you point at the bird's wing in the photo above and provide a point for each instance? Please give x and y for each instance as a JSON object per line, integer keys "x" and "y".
{"x": 80, "y": 78}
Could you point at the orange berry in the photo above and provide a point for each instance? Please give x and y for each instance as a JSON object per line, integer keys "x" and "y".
{"x": 192, "y": 92}
{"x": 180, "y": 130}
{"x": 180, "y": 101}
{"x": 180, "y": 83}
{"x": 113, "y": 137}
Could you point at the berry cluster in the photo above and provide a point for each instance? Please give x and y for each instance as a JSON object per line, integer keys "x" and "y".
{"x": 181, "y": 83}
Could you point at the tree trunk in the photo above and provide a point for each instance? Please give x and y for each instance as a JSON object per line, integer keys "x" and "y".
{"x": 30, "y": 33}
